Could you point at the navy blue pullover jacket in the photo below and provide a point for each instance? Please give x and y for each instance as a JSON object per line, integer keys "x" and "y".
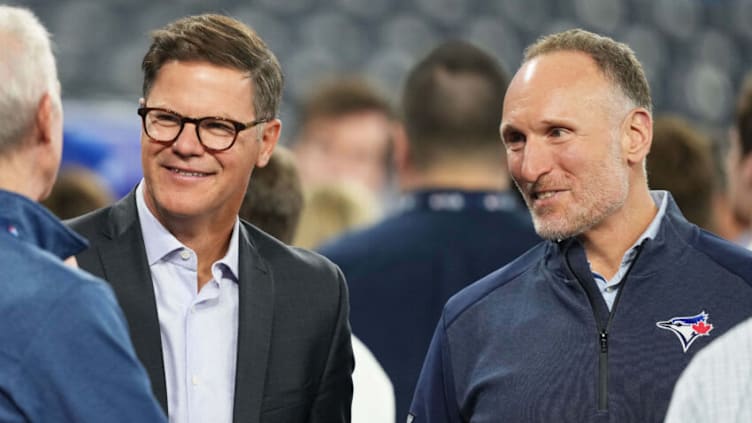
{"x": 65, "y": 353}
{"x": 535, "y": 342}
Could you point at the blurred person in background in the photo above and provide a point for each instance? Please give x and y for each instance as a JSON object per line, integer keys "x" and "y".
{"x": 231, "y": 324}
{"x": 65, "y": 354}
{"x": 333, "y": 209}
{"x": 345, "y": 133}
{"x": 78, "y": 190}
{"x": 274, "y": 200}
{"x": 597, "y": 322}
{"x": 681, "y": 162}
{"x": 277, "y": 204}
{"x": 274, "y": 203}
{"x": 458, "y": 219}
{"x": 725, "y": 223}
{"x": 739, "y": 168}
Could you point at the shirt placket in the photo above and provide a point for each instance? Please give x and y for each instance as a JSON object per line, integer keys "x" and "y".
{"x": 196, "y": 373}
{"x": 188, "y": 263}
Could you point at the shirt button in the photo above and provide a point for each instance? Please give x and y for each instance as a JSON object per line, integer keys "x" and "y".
{"x": 194, "y": 380}
{"x": 185, "y": 254}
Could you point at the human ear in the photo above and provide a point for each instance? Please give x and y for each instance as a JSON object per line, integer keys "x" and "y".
{"x": 268, "y": 140}
{"x": 638, "y": 135}
{"x": 46, "y": 113}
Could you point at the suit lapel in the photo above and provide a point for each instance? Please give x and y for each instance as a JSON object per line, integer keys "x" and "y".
{"x": 127, "y": 270}
{"x": 255, "y": 318}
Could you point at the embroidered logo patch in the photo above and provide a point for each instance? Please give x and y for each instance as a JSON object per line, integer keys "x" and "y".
{"x": 689, "y": 328}
{"x": 12, "y": 230}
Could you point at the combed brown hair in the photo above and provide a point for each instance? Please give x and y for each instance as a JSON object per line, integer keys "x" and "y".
{"x": 342, "y": 97}
{"x": 452, "y": 102}
{"x": 681, "y": 161}
{"x": 616, "y": 60}
{"x": 221, "y": 41}
{"x": 274, "y": 199}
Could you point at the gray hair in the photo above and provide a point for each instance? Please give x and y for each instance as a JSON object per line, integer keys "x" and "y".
{"x": 27, "y": 72}
{"x": 616, "y": 60}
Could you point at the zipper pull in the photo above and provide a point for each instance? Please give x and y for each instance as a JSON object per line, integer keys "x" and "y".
{"x": 604, "y": 341}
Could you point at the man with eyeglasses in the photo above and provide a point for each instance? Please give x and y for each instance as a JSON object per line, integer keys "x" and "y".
{"x": 230, "y": 324}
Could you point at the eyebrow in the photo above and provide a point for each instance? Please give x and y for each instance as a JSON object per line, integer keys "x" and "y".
{"x": 556, "y": 121}
{"x": 171, "y": 110}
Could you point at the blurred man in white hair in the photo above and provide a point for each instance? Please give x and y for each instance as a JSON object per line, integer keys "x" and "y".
{"x": 65, "y": 354}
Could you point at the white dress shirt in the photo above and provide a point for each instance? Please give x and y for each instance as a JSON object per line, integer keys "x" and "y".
{"x": 373, "y": 393}
{"x": 199, "y": 329}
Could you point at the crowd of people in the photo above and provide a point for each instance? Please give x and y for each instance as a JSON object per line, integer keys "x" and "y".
{"x": 528, "y": 246}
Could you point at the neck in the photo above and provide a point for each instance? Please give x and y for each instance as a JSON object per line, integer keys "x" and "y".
{"x": 18, "y": 175}
{"x": 460, "y": 176}
{"x": 208, "y": 237}
{"x": 606, "y": 243}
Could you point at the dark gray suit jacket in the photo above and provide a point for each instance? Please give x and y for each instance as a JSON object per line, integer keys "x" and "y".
{"x": 294, "y": 359}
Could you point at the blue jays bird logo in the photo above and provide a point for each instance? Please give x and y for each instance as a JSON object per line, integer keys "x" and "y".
{"x": 688, "y": 329}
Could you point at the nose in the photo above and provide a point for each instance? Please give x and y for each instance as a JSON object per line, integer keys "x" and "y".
{"x": 187, "y": 143}
{"x": 534, "y": 161}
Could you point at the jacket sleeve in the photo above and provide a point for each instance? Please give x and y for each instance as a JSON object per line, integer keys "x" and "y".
{"x": 334, "y": 397}
{"x": 81, "y": 365}
{"x": 434, "y": 400}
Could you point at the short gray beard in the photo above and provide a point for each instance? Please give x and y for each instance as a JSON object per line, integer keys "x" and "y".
{"x": 585, "y": 221}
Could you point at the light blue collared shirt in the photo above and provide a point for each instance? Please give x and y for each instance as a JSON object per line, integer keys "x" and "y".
{"x": 609, "y": 288}
{"x": 199, "y": 329}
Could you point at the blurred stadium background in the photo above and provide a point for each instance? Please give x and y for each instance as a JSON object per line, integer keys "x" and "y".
{"x": 695, "y": 52}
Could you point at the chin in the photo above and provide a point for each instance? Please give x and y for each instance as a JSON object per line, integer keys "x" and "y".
{"x": 552, "y": 229}
{"x": 181, "y": 208}
{"x": 553, "y": 234}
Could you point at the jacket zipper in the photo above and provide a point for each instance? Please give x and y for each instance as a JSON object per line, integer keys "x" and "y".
{"x": 603, "y": 372}
{"x": 604, "y": 330}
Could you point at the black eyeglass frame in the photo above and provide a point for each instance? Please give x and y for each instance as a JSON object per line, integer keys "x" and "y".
{"x": 143, "y": 111}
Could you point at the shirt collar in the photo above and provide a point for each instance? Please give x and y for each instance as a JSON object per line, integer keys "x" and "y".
{"x": 660, "y": 198}
{"x": 27, "y": 221}
{"x": 159, "y": 242}
{"x": 230, "y": 261}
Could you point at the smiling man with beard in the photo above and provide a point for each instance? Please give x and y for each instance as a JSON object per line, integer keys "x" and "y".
{"x": 596, "y": 323}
